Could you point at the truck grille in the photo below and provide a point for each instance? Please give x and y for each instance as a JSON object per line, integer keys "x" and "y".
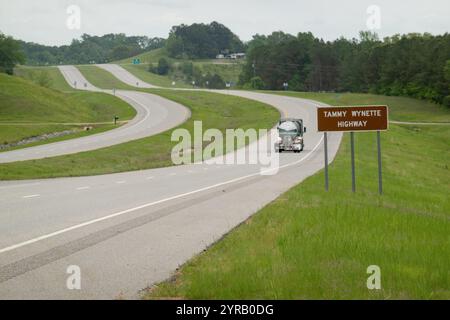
{"x": 287, "y": 141}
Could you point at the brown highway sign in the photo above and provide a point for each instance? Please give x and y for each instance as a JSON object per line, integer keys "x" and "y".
{"x": 357, "y": 118}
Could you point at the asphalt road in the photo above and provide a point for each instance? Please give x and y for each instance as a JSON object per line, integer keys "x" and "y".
{"x": 125, "y": 76}
{"x": 154, "y": 115}
{"x": 130, "y": 230}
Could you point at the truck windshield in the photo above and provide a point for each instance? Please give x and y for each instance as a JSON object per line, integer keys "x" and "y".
{"x": 288, "y": 127}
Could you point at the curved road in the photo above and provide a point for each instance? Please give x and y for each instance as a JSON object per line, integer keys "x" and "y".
{"x": 130, "y": 230}
{"x": 154, "y": 115}
{"x": 125, "y": 76}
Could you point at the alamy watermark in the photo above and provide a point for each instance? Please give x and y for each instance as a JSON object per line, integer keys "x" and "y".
{"x": 73, "y": 21}
{"x": 373, "y": 21}
{"x": 215, "y": 148}
{"x": 73, "y": 282}
{"x": 374, "y": 280}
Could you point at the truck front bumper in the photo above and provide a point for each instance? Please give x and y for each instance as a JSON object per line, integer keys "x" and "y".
{"x": 293, "y": 147}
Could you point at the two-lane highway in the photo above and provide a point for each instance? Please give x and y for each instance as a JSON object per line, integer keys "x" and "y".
{"x": 154, "y": 115}
{"x": 130, "y": 230}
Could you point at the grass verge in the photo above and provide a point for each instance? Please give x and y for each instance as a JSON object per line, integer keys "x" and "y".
{"x": 102, "y": 78}
{"x": 309, "y": 244}
{"x": 49, "y": 77}
{"x": 141, "y": 71}
{"x": 28, "y": 110}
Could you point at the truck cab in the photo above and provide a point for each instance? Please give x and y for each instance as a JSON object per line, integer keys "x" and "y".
{"x": 290, "y": 135}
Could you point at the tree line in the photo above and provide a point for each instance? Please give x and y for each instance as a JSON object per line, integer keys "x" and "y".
{"x": 415, "y": 65}
{"x": 90, "y": 49}
{"x": 10, "y": 54}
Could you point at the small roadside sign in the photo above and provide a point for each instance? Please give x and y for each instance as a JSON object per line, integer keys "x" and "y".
{"x": 342, "y": 119}
{"x": 136, "y": 61}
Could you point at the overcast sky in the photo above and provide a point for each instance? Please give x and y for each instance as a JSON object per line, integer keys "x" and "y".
{"x": 45, "y": 21}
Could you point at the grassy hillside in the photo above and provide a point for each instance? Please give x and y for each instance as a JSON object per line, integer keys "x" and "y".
{"x": 310, "y": 244}
{"x": 155, "y": 151}
{"x": 102, "y": 78}
{"x": 152, "y": 56}
{"x": 141, "y": 71}
{"x": 227, "y": 69}
{"x": 49, "y": 77}
{"x": 27, "y": 109}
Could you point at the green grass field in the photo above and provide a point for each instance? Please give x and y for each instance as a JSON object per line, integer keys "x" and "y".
{"x": 310, "y": 244}
{"x": 215, "y": 110}
{"x": 28, "y": 110}
{"x": 102, "y": 78}
{"x": 55, "y": 78}
{"x": 228, "y": 70}
{"x": 151, "y": 56}
{"x": 141, "y": 71}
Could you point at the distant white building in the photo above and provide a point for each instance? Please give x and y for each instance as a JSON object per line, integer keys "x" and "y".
{"x": 220, "y": 56}
{"x": 236, "y": 56}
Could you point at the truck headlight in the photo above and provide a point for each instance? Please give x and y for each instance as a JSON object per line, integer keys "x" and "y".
{"x": 279, "y": 140}
{"x": 298, "y": 140}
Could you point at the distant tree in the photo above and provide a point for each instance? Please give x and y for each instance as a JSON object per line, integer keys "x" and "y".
{"x": 413, "y": 65}
{"x": 89, "y": 49}
{"x": 256, "y": 83}
{"x": 447, "y": 77}
{"x": 201, "y": 41}
{"x": 10, "y": 54}
{"x": 447, "y": 70}
{"x": 188, "y": 69}
{"x": 214, "y": 81}
{"x": 121, "y": 52}
{"x": 163, "y": 66}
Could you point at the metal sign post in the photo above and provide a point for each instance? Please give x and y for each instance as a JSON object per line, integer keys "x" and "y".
{"x": 353, "y": 119}
{"x": 352, "y": 142}
{"x": 325, "y": 142}
{"x": 380, "y": 168}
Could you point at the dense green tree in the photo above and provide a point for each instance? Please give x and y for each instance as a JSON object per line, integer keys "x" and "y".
{"x": 10, "y": 54}
{"x": 214, "y": 81}
{"x": 200, "y": 40}
{"x": 412, "y": 65}
{"x": 163, "y": 66}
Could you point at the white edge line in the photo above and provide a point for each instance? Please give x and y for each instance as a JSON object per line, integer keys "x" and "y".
{"x": 117, "y": 214}
{"x": 19, "y": 185}
{"x": 31, "y": 196}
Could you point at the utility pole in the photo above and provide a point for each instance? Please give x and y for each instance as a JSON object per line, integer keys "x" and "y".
{"x": 254, "y": 68}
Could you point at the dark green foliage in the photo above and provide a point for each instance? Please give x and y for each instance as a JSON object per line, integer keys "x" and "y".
{"x": 202, "y": 41}
{"x": 188, "y": 69}
{"x": 255, "y": 83}
{"x": 163, "y": 66}
{"x": 416, "y": 65}
{"x": 213, "y": 81}
{"x": 90, "y": 49}
{"x": 10, "y": 54}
